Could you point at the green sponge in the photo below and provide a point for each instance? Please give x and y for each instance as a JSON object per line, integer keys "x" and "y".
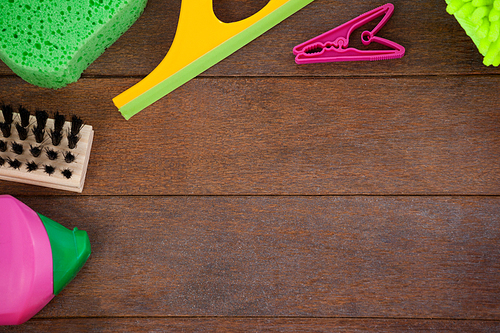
{"x": 481, "y": 21}
{"x": 50, "y": 43}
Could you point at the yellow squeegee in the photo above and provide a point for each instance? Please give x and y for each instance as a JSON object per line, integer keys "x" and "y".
{"x": 201, "y": 41}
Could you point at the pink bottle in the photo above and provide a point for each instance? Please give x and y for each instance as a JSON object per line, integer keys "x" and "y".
{"x": 38, "y": 258}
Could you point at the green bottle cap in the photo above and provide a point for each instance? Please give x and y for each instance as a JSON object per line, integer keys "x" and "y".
{"x": 70, "y": 251}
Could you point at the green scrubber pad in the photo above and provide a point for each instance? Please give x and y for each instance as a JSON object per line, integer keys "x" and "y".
{"x": 481, "y": 21}
{"x": 50, "y": 43}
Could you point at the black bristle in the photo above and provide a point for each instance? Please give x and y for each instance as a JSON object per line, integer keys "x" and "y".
{"x": 41, "y": 122}
{"x": 22, "y": 131}
{"x": 69, "y": 157}
{"x": 15, "y": 164}
{"x": 59, "y": 120}
{"x": 72, "y": 140}
{"x": 3, "y": 146}
{"x": 31, "y": 166}
{"x": 49, "y": 169}
{"x": 56, "y": 137}
{"x": 2, "y": 161}
{"x": 76, "y": 125}
{"x": 8, "y": 113}
{"x": 5, "y": 128}
{"x": 39, "y": 133}
{"x": 51, "y": 154}
{"x": 17, "y": 148}
{"x": 25, "y": 116}
{"x": 41, "y": 118}
{"x": 35, "y": 151}
{"x": 67, "y": 173}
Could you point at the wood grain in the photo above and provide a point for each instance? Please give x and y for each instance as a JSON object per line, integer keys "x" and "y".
{"x": 435, "y": 43}
{"x": 311, "y": 325}
{"x": 390, "y": 257}
{"x": 287, "y": 136}
{"x": 268, "y": 196}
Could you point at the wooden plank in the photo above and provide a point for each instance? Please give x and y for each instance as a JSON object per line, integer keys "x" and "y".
{"x": 311, "y": 325}
{"x": 434, "y": 42}
{"x": 287, "y": 136}
{"x": 389, "y": 257}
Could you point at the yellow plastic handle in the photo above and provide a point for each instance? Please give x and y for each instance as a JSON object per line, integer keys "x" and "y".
{"x": 201, "y": 40}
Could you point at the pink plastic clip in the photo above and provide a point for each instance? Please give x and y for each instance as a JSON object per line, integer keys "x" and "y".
{"x": 332, "y": 45}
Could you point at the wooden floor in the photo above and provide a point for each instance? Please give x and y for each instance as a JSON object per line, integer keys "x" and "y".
{"x": 268, "y": 196}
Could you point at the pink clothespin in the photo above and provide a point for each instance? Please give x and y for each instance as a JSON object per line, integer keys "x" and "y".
{"x": 333, "y": 45}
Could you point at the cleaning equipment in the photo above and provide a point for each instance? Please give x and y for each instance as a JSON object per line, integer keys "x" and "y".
{"x": 481, "y": 21}
{"x": 333, "y": 45}
{"x": 38, "y": 258}
{"x": 200, "y": 42}
{"x": 45, "y": 152}
{"x": 50, "y": 43}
